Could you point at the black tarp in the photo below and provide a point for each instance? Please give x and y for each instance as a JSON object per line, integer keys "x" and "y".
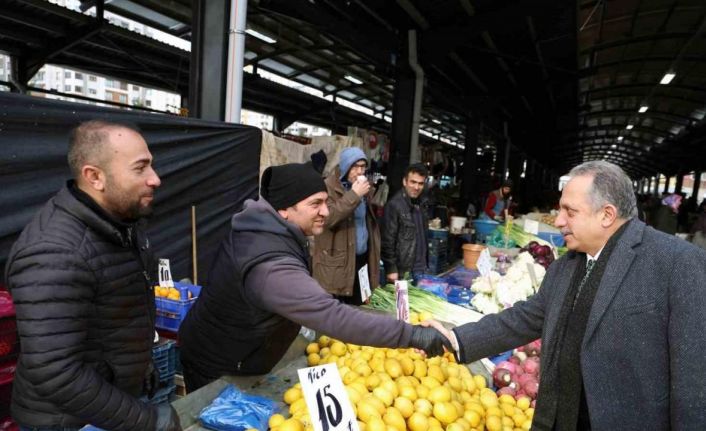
{"x": 211, "y": 165}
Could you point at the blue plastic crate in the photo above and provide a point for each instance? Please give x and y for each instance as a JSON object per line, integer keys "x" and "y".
{"x": 170, "y": 313}
{"x": 437, "y": 234}
{"x": 164, "y": 358}
{"x": 484, "y": 227}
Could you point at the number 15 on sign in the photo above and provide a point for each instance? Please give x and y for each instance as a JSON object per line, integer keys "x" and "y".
{"x": 329, "y": 406}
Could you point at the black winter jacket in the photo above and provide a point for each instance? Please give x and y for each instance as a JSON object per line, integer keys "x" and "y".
{"x": 85, "y": 315}
{"x": 399, "y": 234}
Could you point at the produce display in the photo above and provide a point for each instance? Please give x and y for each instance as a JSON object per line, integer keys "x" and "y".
{"x": 519, "y": 376}
{"x": 498, "y": 292}
{"x": 420, "y": 300}
{"x": 542, "y": 254}
{"x": 400, "y": 390}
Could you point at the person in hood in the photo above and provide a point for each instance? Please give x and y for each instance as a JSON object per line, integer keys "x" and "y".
{"x": 351, "y": 238}
{"x": 81, "y": 276}
{"x": 261, "y": 291}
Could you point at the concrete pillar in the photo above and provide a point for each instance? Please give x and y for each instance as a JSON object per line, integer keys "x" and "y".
{"x": 470, "y": 191}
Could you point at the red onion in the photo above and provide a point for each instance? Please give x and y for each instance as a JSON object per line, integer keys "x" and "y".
{"x": 531, "y": 365}
{"x": 531, "y": 387}
{"x": 512, "y": 368}
{"x": 507, "y": 390}
{"x": 501, "y": 377}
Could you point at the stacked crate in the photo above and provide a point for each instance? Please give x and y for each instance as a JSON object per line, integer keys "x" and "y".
{"x": 437, "y": 250}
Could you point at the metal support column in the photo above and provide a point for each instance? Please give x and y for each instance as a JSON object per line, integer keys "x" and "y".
{"x": 667, "y": 180}
{"x": 404, "y": 108}
{"x": 679, "y": 184}
{"x": 209, "y": 55}
{"x": 470, "y": 191}
{"x": 697, "y": 183}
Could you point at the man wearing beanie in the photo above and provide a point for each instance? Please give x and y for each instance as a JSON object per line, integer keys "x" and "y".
{"x": 261, "y": 291}
{"x": 498, "y": 201}
{"x": 351, "y": 237}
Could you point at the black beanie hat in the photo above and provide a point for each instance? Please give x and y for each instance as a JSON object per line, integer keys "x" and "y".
{"x": 285, "y": 185}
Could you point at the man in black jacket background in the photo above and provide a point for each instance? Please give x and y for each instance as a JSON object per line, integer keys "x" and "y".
{"x": 404, "y": 238}
{"x": 81, "y": 279}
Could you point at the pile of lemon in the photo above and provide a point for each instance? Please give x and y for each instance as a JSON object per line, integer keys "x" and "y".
{"x": 167, "y": 292}
{"x": 400, "y": 390}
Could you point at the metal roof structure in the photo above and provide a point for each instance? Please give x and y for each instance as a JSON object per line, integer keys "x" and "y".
{"x": 567, "y": 76}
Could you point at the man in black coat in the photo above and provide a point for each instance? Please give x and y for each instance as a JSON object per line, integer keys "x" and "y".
{"x": 404, "y": 237}
{"x": 80, "y": 275}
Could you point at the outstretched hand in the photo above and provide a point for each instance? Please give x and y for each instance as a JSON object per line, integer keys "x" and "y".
{"x": 432, "y": 338}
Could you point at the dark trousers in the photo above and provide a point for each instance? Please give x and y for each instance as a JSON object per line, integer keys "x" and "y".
{"x": 194, "y": 379}
{"x": 360, "y": 261}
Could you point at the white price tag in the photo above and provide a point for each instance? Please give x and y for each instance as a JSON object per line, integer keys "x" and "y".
{"x": 402, "y": 300}
{"x": 531, "y": 226}
{"x": 326, "y": 397}
{"x": 364, "y": 282}
{"x": 165, "y": 274}
{"x": 484, "y": 264}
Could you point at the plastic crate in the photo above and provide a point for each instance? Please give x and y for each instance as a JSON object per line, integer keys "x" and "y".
{"x": 484, "y": 227}
{"x": 164, "y": 395}
{"x": 170, "y": 312}
{"x": 9, "y": 342}
{"x": 164, "y": 358}
{"x": 437, "y": 234}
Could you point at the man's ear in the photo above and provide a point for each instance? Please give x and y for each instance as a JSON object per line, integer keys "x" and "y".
{"x": 283, "y": 213}
{"x": 94, "y": 177}
{"x": 610, "y": 214}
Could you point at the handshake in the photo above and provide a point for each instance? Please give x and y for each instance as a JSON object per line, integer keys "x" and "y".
{"x": 432, "y": 338}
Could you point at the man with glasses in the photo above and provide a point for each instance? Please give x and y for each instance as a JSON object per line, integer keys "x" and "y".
{"x": 351, "y": 237}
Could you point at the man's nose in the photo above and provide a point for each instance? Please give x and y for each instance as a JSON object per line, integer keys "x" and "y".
{"x": 324, "y": 210}
{"x": 153, "y": 180}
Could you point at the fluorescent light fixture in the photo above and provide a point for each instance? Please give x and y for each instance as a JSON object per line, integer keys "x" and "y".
{"x": 667, "y": 78}
{"x": 458, "y": 131}
{"x": 643, "y": 109}
{"x": 613, "y": 146}
{"x": 629, "y": 126}
{"x": 620, "y": 138}
{"x": 353, "y": 79}
{"x": 434, "y": 120}
{"x": 260, "y": 36}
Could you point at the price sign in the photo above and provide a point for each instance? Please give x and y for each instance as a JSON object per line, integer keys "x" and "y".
{"x": 165, "y": 274}
{"x": 484, "y": 264}
{"x": 364, "y": 283}
{"x": 402, "y": 300}
{"x": 531, "y": 226}
{"x": 329, "y": 406}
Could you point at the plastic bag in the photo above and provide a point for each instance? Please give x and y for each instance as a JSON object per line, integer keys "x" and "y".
{"x": 234, "y": 410}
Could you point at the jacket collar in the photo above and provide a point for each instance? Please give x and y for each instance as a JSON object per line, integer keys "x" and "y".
{"x": 94, "y": 216}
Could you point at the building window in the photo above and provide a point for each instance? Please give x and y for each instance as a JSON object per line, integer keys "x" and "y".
{"x": 123, "y": 98}
{"x": 109, "y": 83}
{"x": 67, "y": 88}
{"x": 67, "y": 74}
{"x": 123, "y": 85}
{"x": 78, "y": 75}
{"x": 92, "y": 91}
{"x": 78, "y": 89}
{"x": 148, "y": 103}
{"x": 92, "y": 78}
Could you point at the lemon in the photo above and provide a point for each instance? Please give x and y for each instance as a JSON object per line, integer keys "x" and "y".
{"x": 297, "y": 405}
{"x": 312, "y": 348}
{"x": 360, "y": 388}
{"x": 324, "y": 341}
{"x": 375, "y": 424}
{"x": 506, "y": 399}
{"x": 275, "y": 420}
{"x": 313, "y": 359}
{"x": 472, "y": 417}
{"x": 366, "y": 410}
{"x": 489, "y": 399}
{"x": 439, "y": 394}
{"x": 405, "y": 406}
{"x": 338, "y": 348}
{"x": 363, "y": 370}
{"x": 507, "y": 409}
{"x": 430, "y": 382}
{"x": 422, "y": 391}
{"x": 391, "y": 388}
{"x": 350, "y": 377}
{"x": 519, "y": 419}
{"x": 407, "y": 365}
{"x": 527, "y": 425}
{"x": 469, "y": 384}
{"x": 530, "y": 412}
{"x": 464, "y": 423}
{"x": 394, "y": 418}
{"x": 523, "y": 403}
{"x": 455, "y": 383}
{"x": 408, "y": 392}
{"x": 480, "y": 382}
{"x": 291, "y": 395}
{"x": 361, "y": 426}
{"x": 418, "y": 422}
{"x": 507, "y": 422}
{"x": 455, "y": 427}
{"x": 423, "y": 406}
{"x": 291, "y": 424}
{"x": 436, "y": 372}
{"x": 420, "y": 369}
{"x": 493, "y": 423}
{"x": 393, "y": 368}
{"x": 383, "y": 395}
{"x": 493, "y": 411}
{"x": 353, "y": 395}
{"x": 445, "y": 412}
{"x": 379, "y": 405}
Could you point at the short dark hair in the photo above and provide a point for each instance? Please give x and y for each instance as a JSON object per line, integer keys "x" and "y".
{"x": 417, "y": 168}
{"x": 87, "y": 142}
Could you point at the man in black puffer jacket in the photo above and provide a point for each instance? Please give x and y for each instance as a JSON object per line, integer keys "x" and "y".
{"x": 80, "y": 275}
